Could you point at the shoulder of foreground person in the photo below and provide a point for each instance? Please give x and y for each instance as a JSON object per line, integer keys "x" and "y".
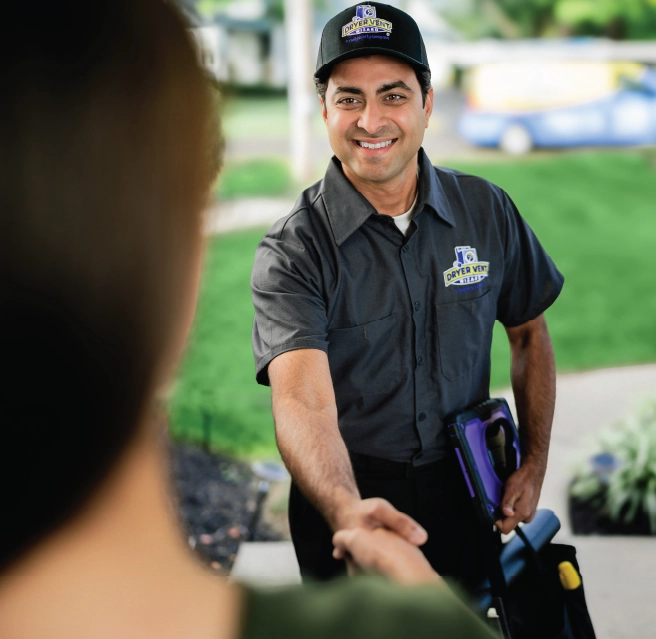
{"x": 356, "y": 608}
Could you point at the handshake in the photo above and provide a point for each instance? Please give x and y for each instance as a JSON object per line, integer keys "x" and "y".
{"x": 373, "y": 537}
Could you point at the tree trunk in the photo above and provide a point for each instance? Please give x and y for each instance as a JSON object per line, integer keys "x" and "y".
{"x": 616, "y": 29}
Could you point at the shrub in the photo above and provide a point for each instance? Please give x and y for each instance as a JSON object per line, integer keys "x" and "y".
{"x": 628, "y": 491}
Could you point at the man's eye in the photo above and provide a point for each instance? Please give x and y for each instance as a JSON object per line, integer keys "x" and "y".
{"x": 348, "y": 101}
{"x": 394, "y": 97}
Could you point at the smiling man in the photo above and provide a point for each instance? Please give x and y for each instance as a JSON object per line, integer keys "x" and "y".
{"x": 375, "y": 301}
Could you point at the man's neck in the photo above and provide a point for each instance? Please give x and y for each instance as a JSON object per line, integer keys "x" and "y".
{"x": 393, "y": 197}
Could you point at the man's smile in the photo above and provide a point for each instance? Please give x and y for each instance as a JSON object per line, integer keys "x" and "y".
{"x": 374, "y": 145}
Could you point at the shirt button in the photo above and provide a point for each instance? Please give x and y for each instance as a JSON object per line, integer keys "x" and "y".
{"x": 420, "y": 361}
{"x": 417, "y": 306}
{"x": 406, "y": 248}
{"x": 421, "y": 417}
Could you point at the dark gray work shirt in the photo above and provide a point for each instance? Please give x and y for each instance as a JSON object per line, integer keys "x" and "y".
{"x": 406, "y": 321}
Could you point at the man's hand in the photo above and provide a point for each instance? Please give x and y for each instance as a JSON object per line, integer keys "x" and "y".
{"x": 374, "y": 513}
{"x": 520, "y": 497}
{"x": 383, "y": 552}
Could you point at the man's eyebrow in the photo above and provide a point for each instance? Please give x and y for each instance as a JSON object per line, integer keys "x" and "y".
{"x": 354, "y": 90}
{"x": 399, "y": 84}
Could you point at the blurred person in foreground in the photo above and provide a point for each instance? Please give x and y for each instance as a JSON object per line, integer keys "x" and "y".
{"x": 106, "y": 158}
{"x": 370, "y": 333}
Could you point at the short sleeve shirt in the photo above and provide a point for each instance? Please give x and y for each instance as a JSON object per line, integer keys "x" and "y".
{"x": 406, "y": 321}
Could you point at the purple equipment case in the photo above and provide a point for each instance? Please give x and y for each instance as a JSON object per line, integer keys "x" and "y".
{"x": 469, "y": 433}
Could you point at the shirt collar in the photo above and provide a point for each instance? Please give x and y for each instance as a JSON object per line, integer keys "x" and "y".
{"x": 348, "y": 209}
{"x": 431, "y": 192}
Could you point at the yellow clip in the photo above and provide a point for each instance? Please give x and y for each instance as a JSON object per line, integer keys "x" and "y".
{"x": 569, "y": 578}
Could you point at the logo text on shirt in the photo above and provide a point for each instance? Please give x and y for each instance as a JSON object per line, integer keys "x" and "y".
{"x": 466, "y": 269}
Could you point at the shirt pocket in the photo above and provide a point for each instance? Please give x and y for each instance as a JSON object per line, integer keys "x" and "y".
{"x": 365, "y": 359}
{"x": 464, "y": 331}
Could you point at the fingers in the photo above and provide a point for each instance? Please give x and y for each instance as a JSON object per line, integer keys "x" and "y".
{"x": 511, "y": 495}
{"x": 349, "y": 543}
{"x": 526, "y": 505}
{"x": 507, "y": 525}
{"x": 351, "y": 567}
{"x": 339, "y": 553}
{"x": 530, "y": 518}
{"x": 342, "y": 540}
{"x": 389, "y": 517}
{"x": 517, "y": 506}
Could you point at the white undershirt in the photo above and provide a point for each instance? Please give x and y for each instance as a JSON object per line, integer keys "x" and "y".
{"x": 403, "y": 221}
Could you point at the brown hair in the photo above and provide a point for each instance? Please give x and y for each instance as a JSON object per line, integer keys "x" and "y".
{"x": 107, "y": 150}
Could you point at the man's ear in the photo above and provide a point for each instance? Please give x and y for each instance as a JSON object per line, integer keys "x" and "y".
{"x": 324, "y": 113}
{"x": 428, "y": 106}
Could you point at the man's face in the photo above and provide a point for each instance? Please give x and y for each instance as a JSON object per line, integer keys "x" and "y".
{"x": 375, "y": 101}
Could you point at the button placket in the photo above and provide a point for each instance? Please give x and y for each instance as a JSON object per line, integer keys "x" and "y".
{"x": 414, "y": 285}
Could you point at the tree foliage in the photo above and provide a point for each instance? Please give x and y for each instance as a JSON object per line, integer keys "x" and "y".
{"x": 618, "y": 19}
{"x": 274, "y": 9}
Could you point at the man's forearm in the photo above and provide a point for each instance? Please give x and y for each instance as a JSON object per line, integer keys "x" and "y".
{"x": 533, "y": 374}
{"x": 312, "y": 447}
{"x": 314, "y": 452}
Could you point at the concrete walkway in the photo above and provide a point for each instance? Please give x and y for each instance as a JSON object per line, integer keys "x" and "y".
{"x": 247, "y": 212}
{"x": 619, "y": 572}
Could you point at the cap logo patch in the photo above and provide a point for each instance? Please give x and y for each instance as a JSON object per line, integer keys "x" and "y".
{"x": 466, "y": 269}
{"x": 366, "y": 22}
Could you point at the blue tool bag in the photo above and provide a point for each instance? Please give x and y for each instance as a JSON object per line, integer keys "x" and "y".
{"x": 534, "y": 588}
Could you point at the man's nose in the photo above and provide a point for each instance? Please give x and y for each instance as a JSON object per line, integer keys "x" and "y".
{"x": 372, "y": 118}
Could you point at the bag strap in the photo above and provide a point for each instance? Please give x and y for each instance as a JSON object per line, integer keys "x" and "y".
{"x": 498, "y": 584}
{"x": 534, "y": 554}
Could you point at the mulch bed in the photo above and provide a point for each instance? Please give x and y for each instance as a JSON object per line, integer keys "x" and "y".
{"x": 219, "y": 504}
{"x": 586, "y": 520}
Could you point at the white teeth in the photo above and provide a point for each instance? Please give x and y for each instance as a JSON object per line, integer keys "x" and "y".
{"x": 380, "y": 145}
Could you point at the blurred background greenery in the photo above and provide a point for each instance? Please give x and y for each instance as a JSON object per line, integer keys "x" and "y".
{"x": 506, "y": 18}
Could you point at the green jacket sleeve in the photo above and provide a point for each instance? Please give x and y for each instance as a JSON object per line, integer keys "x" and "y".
{"x": 357, "y": 609}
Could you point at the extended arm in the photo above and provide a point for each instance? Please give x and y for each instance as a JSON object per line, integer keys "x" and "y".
{"x": 533, "y": 375}
{"x": 308, "y": 438}
{"x": 305, "y": 415}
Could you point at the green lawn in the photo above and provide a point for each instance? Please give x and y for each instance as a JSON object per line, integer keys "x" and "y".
{"x": 216, "y": 386}
{"x": 256, "y": 177}
{"x": 594, "y": 212}
{"x": 255, "y": 119}
{"x": 262, "y": 118}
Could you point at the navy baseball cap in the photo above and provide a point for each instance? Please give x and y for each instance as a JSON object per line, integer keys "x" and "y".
{"x": 370, "y": 29}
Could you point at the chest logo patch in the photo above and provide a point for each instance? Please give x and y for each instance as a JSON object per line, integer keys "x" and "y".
{"x": 466, "y": 269}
